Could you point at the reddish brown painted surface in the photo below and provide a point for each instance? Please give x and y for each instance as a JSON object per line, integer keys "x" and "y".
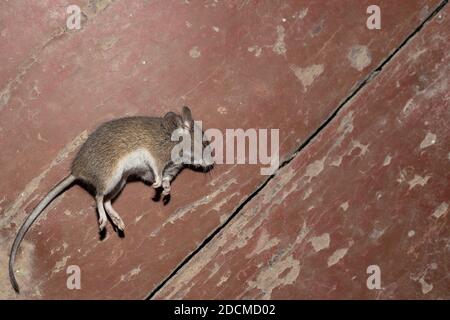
{"x": 237, "y": 64}
{"x": 372, "y": 189}
{"x": 27, "y": 27}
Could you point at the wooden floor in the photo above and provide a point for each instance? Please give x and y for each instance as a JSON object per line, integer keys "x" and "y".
{"x": 363, "y": 118}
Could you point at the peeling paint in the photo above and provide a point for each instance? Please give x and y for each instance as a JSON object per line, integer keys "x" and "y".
{"x": 195, "y": 53}
{"x": 5, "y": 95}
{"x": 402, "y": 175}
{"x": 376, "y": 233}
{"x": 256, "y": 49}
{"x": 314, "y": 169}
{"x": 219, "y": 178}
{"x": 225, "y": 200}
{"x": 303, "y": 233}
{"x": 286, "y": 192}
{"x": 425, "y": 286}
{"x": 280, "y": 47}
{"x": 420, "y": 278}
{"x": 438, "y": 87}
{"x": 283, "y": 178}
{"x": 387, "y": 161}
{"x": 307, "y": 193}
{"x": 418, "y": 180}
{"x": 302, "y": 13}
{"x": 363, "y": 148}
{"x": 63, "y": 247}
{"x": 359, "y": 57}
{"x": 429, "y": 140}
{"x": 416, "y": 54}
{"x": 59, "y": 265}
{"x": 440, "y": 210}
{"x": 224, "y": 278}
{"x": 94, "y": 7}
{"x": 269, "y": 278}
{"x": 409, "y": 107}
{"x": 138, "y": 218}
{"x": 308, "y": 74}
{"x": 337, "y": 162}
{"x": 223, "y": 218}
{"x": 263, "y": 244}
{"x": 337, "y": 256}
{"x": 346, "y": 125}
{"x": 321, "y": 242}
{"x": 214, "y": 270}
{"x": 344, "y": 206}
{"x": 222, "y": 110}
{"x": 130, "y": 274}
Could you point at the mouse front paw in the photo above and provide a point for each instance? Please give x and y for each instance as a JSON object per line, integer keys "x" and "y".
{"x": 166, "y": 187}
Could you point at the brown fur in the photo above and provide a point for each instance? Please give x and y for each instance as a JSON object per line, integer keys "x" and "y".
{"x": 101, "y": 152}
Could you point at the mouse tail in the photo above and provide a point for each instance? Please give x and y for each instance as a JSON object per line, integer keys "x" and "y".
{"x": 29, "y": 221}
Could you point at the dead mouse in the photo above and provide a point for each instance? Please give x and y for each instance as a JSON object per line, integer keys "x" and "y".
{"x": 138, "y": 146}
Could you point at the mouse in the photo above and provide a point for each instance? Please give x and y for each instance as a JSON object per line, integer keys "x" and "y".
{"x": 139, "y": 146}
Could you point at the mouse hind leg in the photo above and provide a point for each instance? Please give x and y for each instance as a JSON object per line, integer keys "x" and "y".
{"x": 116, "y": 219}
{"x": 102, "y": 220}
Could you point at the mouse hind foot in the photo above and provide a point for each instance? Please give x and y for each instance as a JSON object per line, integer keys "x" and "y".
{"x": 118, "y": 222}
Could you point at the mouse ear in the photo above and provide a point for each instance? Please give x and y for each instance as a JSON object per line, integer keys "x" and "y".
{"x": 172, "y": 121}
{"x": 186, "y": 115}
